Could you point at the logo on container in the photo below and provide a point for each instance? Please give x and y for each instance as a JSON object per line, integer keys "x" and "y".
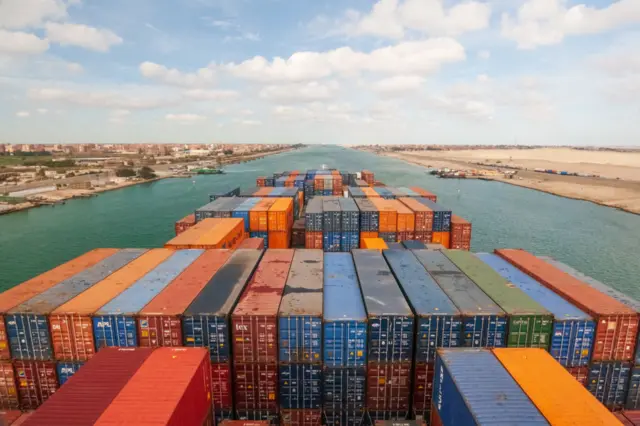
{"x": 242, "y": 327}
{"x": 103, "y": 324}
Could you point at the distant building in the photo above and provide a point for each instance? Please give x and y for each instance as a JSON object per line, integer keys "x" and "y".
{"x": 2, "y": 148}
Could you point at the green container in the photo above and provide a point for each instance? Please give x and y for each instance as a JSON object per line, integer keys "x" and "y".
{"x": 530, "y": 325}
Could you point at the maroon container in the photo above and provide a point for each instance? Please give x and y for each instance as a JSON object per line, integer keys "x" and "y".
{"x": 633, "y": 417}
{"x": 8, "y": 389}
{"x": 423, "y": 388}
{"x": 581, "y": 374}
{"x": 9, "y": 417}
{"x": 221, "y": 386}
{"x": 388, "y": 386}
{"x": 460, "y": 233}
{"x": 406, "y": 236}
{"x": 305, "y": 417}
{"x": 256, "y": 387}
{"x": 424, "y": 237}
{"x": 37, "y": 381}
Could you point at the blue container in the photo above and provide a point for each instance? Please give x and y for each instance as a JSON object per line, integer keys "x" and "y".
{"x": 344, "y": 388}
{"x": 206, "y": 321}
{"x": 281, "y": 181}
{"x": 414, "y": 245}
{"x": 300, "y": 386}
{"x": 439, "y": 322}
{"x": 27, "y": 324}
{"x": 633, "y": 395}
{"x": 383, "y": 192}
{"x": 408, "y": 192}
{"x": 300, "y": 313}
{"x": 67, "y": 369}
{"x": 390, "y": 332}
{"x": 395, "y": 246}
{"x": 345, "y": 318}
{"x": 349, "y": 241}
{"x": 609, "y": 382}
{"x": 345, "y": 418}
{"x": 242, "y": 211}
{"x": 441, "y": 215}
{"x": 220, "y": 208}
{"x": 327, "y": 192}
{"x": 573, "y": 330}
{"x": 115, "y": 324}
{"x": 331, "y": 241}
{"x": 396, "y": 192}
{"x": 388, "y": 237}
{"x": 484, "y": 323}
{"x": 350, "y": 221}
{"x": 369, "y": 215}
{"x": 263, "y": 235}
{"x": 471, "y": 387}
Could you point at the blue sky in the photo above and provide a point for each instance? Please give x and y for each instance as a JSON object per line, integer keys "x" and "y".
{"x": 348, "y": 72}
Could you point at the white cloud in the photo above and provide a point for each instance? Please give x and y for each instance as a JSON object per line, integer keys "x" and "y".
{"x": 411, "y": 57}
{"x": 244, "y": 36}
{"x": 211, "y": 95}
{"x": 246, "y": 112}
{"x": 75, "y": 68}
{"x": 119, "y": 116}
{"x": 91, "y": 38}
{"x": 484, "y": 54}
{"x": 398, "y": 85}
{"x": 42, "y": 110}
{"x": 393, "y": 18}
{"x": 316, "y": 111}
{"x": 124, "y": 99}
{"x": 15, "y": 42}
{"x": 23, "y": 114}
{"x": 172, "y": 76}
{"x": 184, "y": 118}
{"x": 301, "y": 92}
{"x": 482, "y": 78}
{"x": 31, "y": 13}
{"x": 249, "y": 122}
{"x": 618, "y": 70}
{"x": 220, "y": 23}
{"x": 546, "y": 22}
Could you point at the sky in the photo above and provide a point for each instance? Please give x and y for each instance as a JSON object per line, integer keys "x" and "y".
{"x": 347, "y": 72}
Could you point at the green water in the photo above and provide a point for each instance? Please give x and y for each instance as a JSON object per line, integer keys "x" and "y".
{"x": 598, "y": 241}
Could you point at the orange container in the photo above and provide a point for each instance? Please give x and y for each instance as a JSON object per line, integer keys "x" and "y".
{"x": 71, "y": 324}
{"x": 187, "y": 237}
{"x": 313, "y": 240}
{"x": 300, "y": 200}
{"x": 318, "y": 182}
{"x": 424, "y": 193}
{"x": 558, "y": 396}
{"x": 259, "y": 215}
{"x": 364, "y": 235}
{"x": 460, "y": 233}
{"x": 423, "y": 215}
{"x": 370, "y": 192}
{"x": 374, "y": 243}
{"x": 185, "y": 223}
{"x": 279, "y": 239}
{"x": 28, "y": 289}
{"x": 443, "y": 238}
{"x": 263, "y": 192}
{"x": 406, "y": 217}
{"x": 226, "y": 235}
{"x": 280, "y": 215}
{"x": 388, "y": 221}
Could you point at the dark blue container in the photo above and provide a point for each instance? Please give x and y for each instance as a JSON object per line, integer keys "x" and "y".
{"x": 471, "y": 387}
{"x": 441, "y": 215}
{"x": 281, "y": 181}
{"x": 344, "y": 388}
{"x": 573, "y": 330}
{"x": 395, "y": 246}
{"x": 345, "y": 318}
{"x": 331, "y": 215}
{"x": 349, "y": 241}
{"x": 242, "y": 211}
{"x": 115, "y": 324}
{"x": 270, "y": 182}
{"x": 313, "y": 215}
{"x": 67, "y": 369}
{"x": 350, "y": 220}
{"x": 369, "y": 215}
{"x": 439, "y": 322}
{"x": 609, "y": 382}
{"x": 414, "y": 245}
{"x": 391, "y": 321}
{"x": 484, "y": 323}
{"x": 408, "y": 192}
{"x": 300, "y": 386}
{"x": 263, "y": 235}
{"x": 383, "y": 192}
{"x": 345, "y": 418}
{"x": 327, "y": 192}
{"x": 206, "y": 321}
{"x": 388, "y": 237}
{"x": 27, "y": 324}
{"x": 230, "y": 192}
{"x": 331, "y": 241}
{"x": 633, "y": 394}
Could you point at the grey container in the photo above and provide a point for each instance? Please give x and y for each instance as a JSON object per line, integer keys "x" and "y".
{"x": 350, "y": 215}
{"x": 369, "y": 215}
{"x": 331, "y": 215}
{"x": 313, "y": 215}
{"x": 355, "y": 192}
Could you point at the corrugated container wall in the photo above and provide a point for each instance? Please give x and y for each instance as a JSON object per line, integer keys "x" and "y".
{"x": 67, "y": 369}
{"x": 37, "y": 381}
{"x": 8, "y": 389}
{"x": 609, "y": 382}
{"x": 300, "y": 386}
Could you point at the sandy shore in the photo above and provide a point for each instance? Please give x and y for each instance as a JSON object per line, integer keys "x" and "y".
{"x": 618, "y": 186}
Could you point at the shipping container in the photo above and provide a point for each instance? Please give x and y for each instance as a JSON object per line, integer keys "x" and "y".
{"x": 8, "y": 418}
{"x": 252, "y": 243}
{"x": 220, "y": 208}
{"x": 66, "y": 369}
{"x": 259, "y": 215}
{"x": 160, "y": 321}
{"x": 390, "y": 319}
{"x": 460, "y": 233}
{"x": 254, "y": 318}
{"x": 572, "y": 335}
{"x": 349, "y": 241}
{"x": 280, "y": 215}
{"x": 205, "y": 321}
{"x": 617, "y": 328}
{"x": 441, "y": 215}
{"x": 530, "y": 324}
{"x": 424, "y": 193}
{"x": 395, "y": 246}
{"x": 609, "y": 382}
{"x": 300, "y": 313}
{"x": 442, "y": 238}
{"x": 407, "y": 192}
{"x": 424, "y": 237}
{"x": 8, "y": 389}
{"x": 185, "y": 223}
{"x": 369, "y": 215}
{"x": 406, "y": 220}
{"x": 331, "y": 241}
{"x": 172, "y": 387}
{"x": 301, "y": 417}
{"x": 374, "y": 244}
{"x": 313, "y": 217}
{"x": 389, "y": 388}
{"x": 28, "y": 323}
{"x": 383, "y": 192}
{"x": 71, "y": 324}
{"x": 114, "y": 324}
{"x": 313, "y": 240}
{"x": 388, "y": 237}
{"x": 255, "y": 390}
{"x": 243, "y": 423}
{"x": 388, "y": 215}
{"x": 558, "y": 396}
{"x": 633, "y": 394}
{"x": 581, "y": 374}
{"x": 300, "y": 386}
{"x": 36, "y": 380}
{"x": 484, "y": 323}
{"x": 242, "y": 211}
{"x": 221, "y": 385}
{"x": 344, "y": 389}
{"x": 423, "y": 215}
{"x": 356, "y": 192}
{"x": 345, "y": 418}
{"x": 264, "y": 236}
{"x": 331, "y": 215}
{"x": 210, "y": 234}
{"x": 414, "y": 245}
{"x": 626, "y": 421}
{"x": 471, "y": 387}
{"x": 350, "y": 220}
{"x": 438, "y": 321}
{"x": 228, "y": 192}
{"x": 344, "y": 315}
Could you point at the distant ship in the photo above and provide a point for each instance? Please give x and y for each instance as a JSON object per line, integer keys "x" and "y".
{"x": 208, "y": 171}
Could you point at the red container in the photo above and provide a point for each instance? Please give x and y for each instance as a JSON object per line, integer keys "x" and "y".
{"x": 37, "y": 381}
{"x": 405, "y": 236}
{"x": 172, "y": 387}
{"x": 252, "y": 243}
{"x": 8, "y": 388}
{"x": 460, "y": 233}
{"x": 581, "y": 374}
{"x": 423, "y": 214}
{"x": 388, "y": 386}
{"x": 221, "y": 386}
{"x": 435, "y": 417}
{"x": 159, "y": 322}
{"x": 254, "y": 320}
{"x": 261, "y": 181}
{"x": 8, "y": 418}
{"x": 623, "y": 419}
{"x": 313, "y": 240}
{"x": 301, "y": 417}
{"x": 425, "y": 237}
{"x": 185, "y": 223}
{"x": 83, "y": 399}
{"x": 615, "y": 337}
{"x": 423, "y": 388}
{"x": 256, "y": 387}
{"x": 633, "y": 417}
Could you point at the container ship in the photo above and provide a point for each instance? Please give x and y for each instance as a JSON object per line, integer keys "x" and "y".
{"x": 318, "y": 298}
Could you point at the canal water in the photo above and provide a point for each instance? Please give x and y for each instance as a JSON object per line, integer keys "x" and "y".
{"x": 599, "y": 241}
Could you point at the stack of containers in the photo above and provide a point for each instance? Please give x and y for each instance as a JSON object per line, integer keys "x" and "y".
{"x": 206, "y": 318}
{"x": 242, "y": 212}
{"x": 355, "y": 192}
{"x": 408, "y": 192}
{"x": 438, "y": 322}
{"x": 280, "y": 218}
{"x": 424, "y": 193}
{"x": 369, "y": 219}
{"x": 318, "y": 185}
{"x": 441, "y": 222}
{"x": 345, "y": 343}
{"x": 384, "y": 193}
{"x": 414, "y": 245}
{"x": 460, "y": 233}
{"x": 423, "y": 219}
{"x": 309, "y": 189}
{"x": 471, "y": 387}
{"x": 259, "y": 219}
{"x": 388, "y": 222}
{"x": 114, "y": 324}
{"x": 255, "y": 339}
{"x": 300, "y": 341}
{"x": 616, "y": 331}
{"x": 313, "y": 221}
{"x": 406, "y": 221}
{"x": 28, "y": 328}
{"x": 530, "y": 324}
{"x": 331, "y": 224}
{"x": 210, "y": 234}
{"x": 484, "y": 323}
{"x": 573, "y": 329}
{"x": 337, "y": 184}
{"x": 280, "y": 182}
{"x": 374, "y": 244}
{"x": 297, "y": 234}
{"x": 350, "y": 225}
{"x": 368, "y": 177}
{"x": 185, "y": 223}
{"x": 22, "y": 293}
{"x": 249, "y": 192}
{"x": 390, "y": 334}
{"x": 269, "y": 181}
{"x": 360, "y": 183}
{"x": 261, "y": 181}
{"x": 220, "y": 208}
{"x": 234, "y": 192}
{"x": 370, "y": 192}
